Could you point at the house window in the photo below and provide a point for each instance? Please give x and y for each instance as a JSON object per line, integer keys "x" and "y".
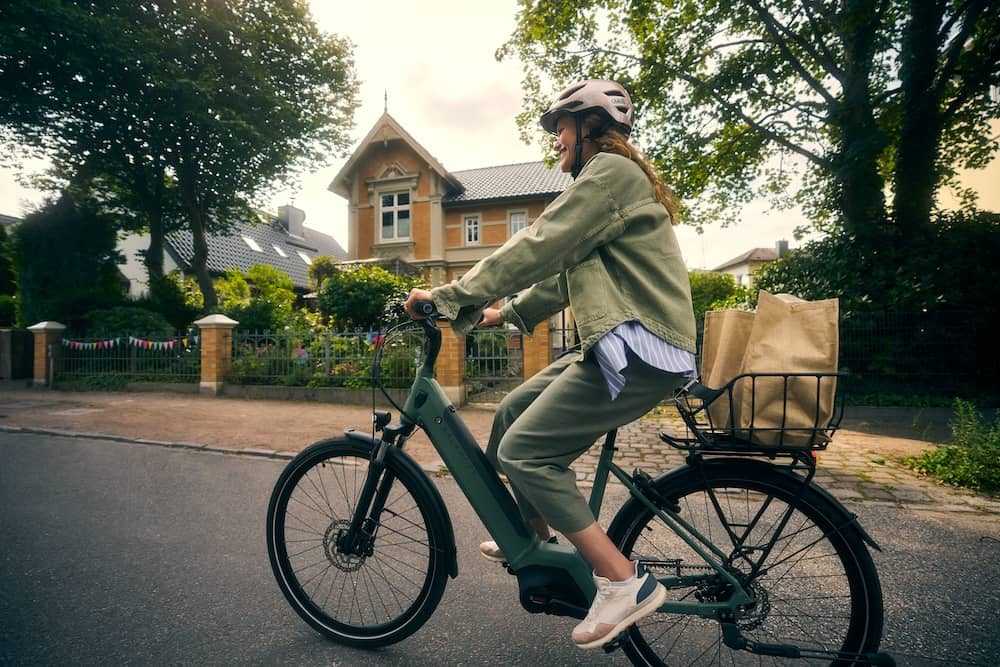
{"x": 395, "y": 216}
{"x": 305, "y": 257}
{"x": 518, "y": 221}
{"x": 471, "y": 224}
{"x": 278, "y": 250}
{"x": 253, "y": 244}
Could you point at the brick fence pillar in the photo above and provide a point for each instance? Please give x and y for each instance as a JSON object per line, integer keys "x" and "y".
{"x": 216, "y": 351}
{"x": 48, "y": 351}
{"x": 450, "y": 369}
{"x": 537, "y": 350}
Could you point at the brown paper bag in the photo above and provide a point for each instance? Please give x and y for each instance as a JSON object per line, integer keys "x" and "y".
{"x": 789, "y": 335}
{"x": 724, "y": 343}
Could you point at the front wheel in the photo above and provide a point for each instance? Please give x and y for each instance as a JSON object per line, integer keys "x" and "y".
{"x": 368, "y": 599}
{"x": 795, "y": 551}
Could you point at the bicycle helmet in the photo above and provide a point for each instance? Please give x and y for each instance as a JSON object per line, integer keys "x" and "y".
{"x": 607, "y": 98}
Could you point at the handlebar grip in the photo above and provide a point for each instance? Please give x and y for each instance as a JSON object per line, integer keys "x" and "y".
{"x": 425, "y": 308}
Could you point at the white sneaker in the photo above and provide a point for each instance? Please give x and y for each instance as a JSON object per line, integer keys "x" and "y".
{"x": 618, "y": 605}
{"x": 491, "y": 550}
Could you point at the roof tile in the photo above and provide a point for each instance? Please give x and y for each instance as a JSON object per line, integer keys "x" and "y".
{"x": 232, "y": 252}
{"x": 513, "y": 181}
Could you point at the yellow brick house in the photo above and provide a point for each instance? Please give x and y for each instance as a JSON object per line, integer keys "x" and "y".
{"x": 403, "y": 204}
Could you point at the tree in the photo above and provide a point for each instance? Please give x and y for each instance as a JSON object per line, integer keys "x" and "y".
{"x": 8, "y": 282}
{"x": 66, "y": 262}
{"x": 356, "y": 297}
{"x": 261, "y": 299}
{"x": 728, "y": 92}
{"x": 198, "y": 106}
{"x": 714, "y": 291}
{"x": 322, "y": 267}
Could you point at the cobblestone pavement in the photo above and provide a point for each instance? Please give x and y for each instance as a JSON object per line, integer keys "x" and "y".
{"x": 855, "y": 467}
{"x": 861, "y": 464}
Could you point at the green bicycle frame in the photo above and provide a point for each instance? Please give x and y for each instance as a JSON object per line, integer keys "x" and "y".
{"x": 428, "y": 407}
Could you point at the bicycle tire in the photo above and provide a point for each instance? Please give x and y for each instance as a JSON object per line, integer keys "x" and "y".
{"x": 818, "y": 589}
{"x": 364, "y": 601}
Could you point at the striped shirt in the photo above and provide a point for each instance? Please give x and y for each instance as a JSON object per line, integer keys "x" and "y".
{"x": 658, "y": 353}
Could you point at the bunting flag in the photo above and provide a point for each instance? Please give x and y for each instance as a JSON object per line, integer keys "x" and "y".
{"x": 140, "y": 343}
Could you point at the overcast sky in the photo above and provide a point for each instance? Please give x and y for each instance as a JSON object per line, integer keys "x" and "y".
{"x": 434, "y": 59}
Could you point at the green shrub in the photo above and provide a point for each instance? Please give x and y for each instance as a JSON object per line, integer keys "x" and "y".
{"x": 8, "y": 311}
{"x": 972, "y": 459}
{"x": 66, "y": 263}
{"x": 355, "y": 297}
{"x": 128, "y": 320}
{"x": 167, "y": 297}
{"x": 715, "y": 291}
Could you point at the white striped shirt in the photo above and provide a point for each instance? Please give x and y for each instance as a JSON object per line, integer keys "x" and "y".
{"x": 658, "y": 353}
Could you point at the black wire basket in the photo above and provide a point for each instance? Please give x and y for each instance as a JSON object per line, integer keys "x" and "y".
{"x": 761, "y": 412}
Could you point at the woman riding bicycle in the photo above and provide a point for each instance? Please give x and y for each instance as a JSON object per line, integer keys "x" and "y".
{"x": 606, "y": 248}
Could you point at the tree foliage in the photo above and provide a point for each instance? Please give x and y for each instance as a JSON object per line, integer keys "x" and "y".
{"x": 957, "y": 270}
{"x": 8, "y": 283}
{"x": 732, "y": 95}
{"x": 322, "y": 267}
{"x": 192, "y": 108}
{"x": 262, "y": 299}
{"x": 354, "y": 298}
{"x": 66, "y": 262}
{"x": 715, "y": 291}
{"x": 132, "y": 320}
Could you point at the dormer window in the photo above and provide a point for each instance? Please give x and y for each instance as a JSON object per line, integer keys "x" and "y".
{"x": 305, "y": 257}
{"x": 278, "y": 250}
{"x": 395, "y": 215}
{"x": 253, "y": 244}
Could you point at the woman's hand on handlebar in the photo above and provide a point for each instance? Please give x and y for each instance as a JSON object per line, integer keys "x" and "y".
{"x": 410, "y": 305}
{"x": 491, "y": 318}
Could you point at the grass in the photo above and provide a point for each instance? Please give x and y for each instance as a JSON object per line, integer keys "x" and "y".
{"x": 972, "y": 459}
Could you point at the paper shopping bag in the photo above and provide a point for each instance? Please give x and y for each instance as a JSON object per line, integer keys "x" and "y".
{"x": 789, "y": 335}
{"x": 724, "y": 344}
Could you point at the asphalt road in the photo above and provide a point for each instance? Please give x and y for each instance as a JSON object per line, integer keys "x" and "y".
{"x": 125, "y": 554}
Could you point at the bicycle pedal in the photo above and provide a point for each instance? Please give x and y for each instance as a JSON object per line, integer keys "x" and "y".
{"x": 613, "y": 645}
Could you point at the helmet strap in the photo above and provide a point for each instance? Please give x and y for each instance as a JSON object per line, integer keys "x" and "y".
{"x": 578, "y": 157}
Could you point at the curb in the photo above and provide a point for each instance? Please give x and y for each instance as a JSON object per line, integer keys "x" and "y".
{"x": 434, "y": 468}
{"x": 438, "y": 469}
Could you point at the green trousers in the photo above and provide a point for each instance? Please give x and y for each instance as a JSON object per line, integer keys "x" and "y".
{"x": 553, "y": 418}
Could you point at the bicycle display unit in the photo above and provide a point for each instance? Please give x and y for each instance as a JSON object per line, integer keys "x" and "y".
{"x": 762, "y": 566}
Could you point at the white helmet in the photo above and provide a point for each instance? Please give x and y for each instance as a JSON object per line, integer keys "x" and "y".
{"x": 608, "y": 98}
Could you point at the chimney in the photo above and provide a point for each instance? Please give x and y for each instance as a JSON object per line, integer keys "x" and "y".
{"x": 781, "y": 247}
{"x": 291, "y": 219}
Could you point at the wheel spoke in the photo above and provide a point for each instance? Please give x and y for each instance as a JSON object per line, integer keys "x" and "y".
{"x": 386, "y": 590}
{"x": 810, "y": 578}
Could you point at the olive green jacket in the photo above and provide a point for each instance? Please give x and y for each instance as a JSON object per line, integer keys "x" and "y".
{"x": 605, "y": 246}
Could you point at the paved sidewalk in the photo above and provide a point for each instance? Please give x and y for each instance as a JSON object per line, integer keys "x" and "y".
{"x": 861, "y": 464}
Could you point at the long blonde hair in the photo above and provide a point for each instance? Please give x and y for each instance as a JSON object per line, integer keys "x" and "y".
{"x": 613, "y": 141}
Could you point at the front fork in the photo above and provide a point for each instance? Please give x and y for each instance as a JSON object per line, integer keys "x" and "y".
{"x": 359, "y": 538}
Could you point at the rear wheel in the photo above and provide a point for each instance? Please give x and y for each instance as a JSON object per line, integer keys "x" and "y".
{"x": 815, "y": 587}
{"x": 391, "y": 588}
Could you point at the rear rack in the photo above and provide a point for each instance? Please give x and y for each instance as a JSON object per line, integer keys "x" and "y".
{"x": 761, "y": 413}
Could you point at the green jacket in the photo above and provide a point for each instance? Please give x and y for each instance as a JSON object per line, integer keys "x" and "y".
{"x": 605, "y": 246}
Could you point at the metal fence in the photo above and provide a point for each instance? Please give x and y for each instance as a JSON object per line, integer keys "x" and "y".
{"x": 890, "y": 353}
{"x": 494, "y": 363}
{"x": 942, "y": 354}
{"x": 325, "y": 359}
{"x": 126, "y": 358}
{"x": 939, "y": 355}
